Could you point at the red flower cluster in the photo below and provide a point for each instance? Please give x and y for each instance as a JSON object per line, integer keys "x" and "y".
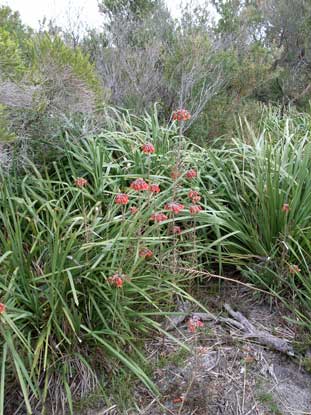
{"x": 181, "y": 115}
{"x": 194, "y": 209}
{"x": 194, "y": 196}
{"x": 194, "y": 323}
{"x": 2, "y": 308}
{"x": 154, "y": 188}
{"x": 191, "y": 174}
{"x": 148, "y": 148}
{"x": 80, "y": 182}
{"x": 117, "y": 280}
{"x": 139, "y": 184}
{"x": 145, "y": 253}
{"x": 285, "y": 207}
{"x": 133, "y": 210}
{"x": 122, "y": 199}
{"x": 174, "y": 207}
{"x": 158, "y": 217}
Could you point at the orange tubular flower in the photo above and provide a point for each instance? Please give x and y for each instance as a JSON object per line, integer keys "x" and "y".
{"x": 154, "y": 188}
{"x": 122, "y": 199}
{"x": 193, "y": 324}
{"x": 139, "y": 184}
{"x": 148, "y": 148}
{"x": 145, "y": 253}
{"x": 174, "y": 207}
{"x": 191, "y": 174}
{"x": 158, "y": 217}
{"x": 116, "y": 280}
{"x": 2, "y": 308}
{"x": 194, "y": 196}
{"x": 194, "y": 209}
{"x": 181, "y": 115}
{"x": 285, "y": 208}
{"x": 81, "y": 182}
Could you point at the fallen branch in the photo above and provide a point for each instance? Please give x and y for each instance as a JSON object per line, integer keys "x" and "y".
{"x": 240, "y": 322}
{"x": 263, "y": 337}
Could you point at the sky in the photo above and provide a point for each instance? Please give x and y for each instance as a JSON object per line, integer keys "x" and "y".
{"x": 32, "y": 11}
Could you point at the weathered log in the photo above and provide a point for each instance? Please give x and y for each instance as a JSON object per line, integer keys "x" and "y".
{"x": 263, "y": 337}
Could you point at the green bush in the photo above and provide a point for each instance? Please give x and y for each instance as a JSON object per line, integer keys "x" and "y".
{"x": 59, "y": 84}
{"x": 11, "y": 61}
{"x": 45, "y": 48}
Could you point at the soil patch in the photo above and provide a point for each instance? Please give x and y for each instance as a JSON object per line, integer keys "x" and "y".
{"x": 224, "y": 373}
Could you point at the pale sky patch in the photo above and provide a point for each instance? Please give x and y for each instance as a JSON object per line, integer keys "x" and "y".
{"x": 33, "y": 11}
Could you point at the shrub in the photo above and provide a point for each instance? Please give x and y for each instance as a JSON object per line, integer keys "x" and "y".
{"x": 60, "y": 82}
{"x": 44, "y": 49}
{"x": 11, "y": 62}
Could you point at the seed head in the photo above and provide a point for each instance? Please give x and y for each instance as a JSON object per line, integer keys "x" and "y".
{"x": 194, "y": 196}
{"x": 193, "y": 324}
{"x": 117, "y": 280}
{"x": 133, "y": 210}
{"x": 294, "y": 269}
{"x": 285, "y": 208}
{"x": 176, "y": 230}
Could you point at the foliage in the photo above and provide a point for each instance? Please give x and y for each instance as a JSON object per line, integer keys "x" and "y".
{"x": 54, "y": 81}
{"x": 282, "y": 28}
{"x": 65, "y": 321}
{"x": 10, "y": 22}
{"x": 138, "y": 8}
{"x": 5, "y": 134}
{"x": 45, "y": 49}
{"x": 11, "y": 62}
{"x": 263, "y": 182}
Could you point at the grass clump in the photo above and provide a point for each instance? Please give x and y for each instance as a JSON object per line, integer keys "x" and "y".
{"x": 261, "y": 184}
{"x": 77, "y": 290}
